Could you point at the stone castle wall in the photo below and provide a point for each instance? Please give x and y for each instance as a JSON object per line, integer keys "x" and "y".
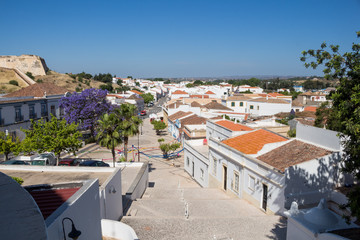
{"x": 25, "y": 63}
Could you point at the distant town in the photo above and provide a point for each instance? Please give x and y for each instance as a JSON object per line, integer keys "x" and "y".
{"x": 106, "y": 157}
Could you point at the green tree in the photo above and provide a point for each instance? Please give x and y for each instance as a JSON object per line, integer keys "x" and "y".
{"x": 168, "y": 148}
{"x": 51, "y": 136}
{"x": 8, "y": 145}
{"x": 158, "y": 126}
{"x": 130, "y": 123}
{"x": 109, "y": 132}
{"x": 107, "y": 87}
{"x": 346, "y": 105}
{"x": 189, "y": 85}
{"x": 148, "y": 97}
{"x": 14, "y": 82}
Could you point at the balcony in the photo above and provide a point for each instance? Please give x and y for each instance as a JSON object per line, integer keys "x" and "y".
{"x": 19, "y": 118}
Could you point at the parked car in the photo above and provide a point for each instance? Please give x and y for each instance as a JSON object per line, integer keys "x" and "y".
{"x": 44, "y": 159}
{"x": 69, "y": 162}
{"x": 14, "y": 162}
{"x": 143, "y": 113}
{"x": 94, "y": 163}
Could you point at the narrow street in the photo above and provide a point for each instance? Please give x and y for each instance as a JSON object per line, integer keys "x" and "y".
{"x": 176, "y": 207}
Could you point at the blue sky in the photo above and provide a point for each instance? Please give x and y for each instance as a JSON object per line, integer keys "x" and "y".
{"x": 176, "y": 38}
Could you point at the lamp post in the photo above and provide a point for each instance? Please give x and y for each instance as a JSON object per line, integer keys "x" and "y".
{"x": 74, "y": 234}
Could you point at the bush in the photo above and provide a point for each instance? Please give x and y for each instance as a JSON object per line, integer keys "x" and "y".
{"x": 39, "y": 81}
{"x": 78, "y": 89}
{"x": 14, "y": 82}
{"x": 121, "y": 159}
{"x": 29, "y": 74}
{"x": 292, "y": 133}
{"x": 90, "y": 140}
{"x": 18, "y": 180}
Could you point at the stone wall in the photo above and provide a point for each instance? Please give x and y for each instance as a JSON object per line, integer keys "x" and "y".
{"x": 25, "y": 63}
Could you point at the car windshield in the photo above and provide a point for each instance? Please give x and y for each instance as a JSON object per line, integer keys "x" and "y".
{"x": 38, "y": 162}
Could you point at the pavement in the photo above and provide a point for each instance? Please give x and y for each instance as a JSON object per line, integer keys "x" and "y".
{"x": 174, "y": 206}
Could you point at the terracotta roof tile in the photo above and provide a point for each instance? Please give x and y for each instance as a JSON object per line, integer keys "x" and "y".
{"x": 196, "y": 104}
{"x": 310, "y": 109}
{"x": 292, "y": 153}
{"x": 233, "y": 126}
{"x": 209, "y": 92}
{"x": 253, "y": 142}
{"x": 238, "y": 98}
{"x": 179, "y": 92}
{"x": 137, "y": 92}
{"x": 269, "y": 100}
{"x": 38, "y": 90}
{"x": 199, "y": 96}
{"x": 216, "y": 105}
{"x": 275, "y": 94}
{"x": 192, "y": 120}
{"x": 178, "y": 115}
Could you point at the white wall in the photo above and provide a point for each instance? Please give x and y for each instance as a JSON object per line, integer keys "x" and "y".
{"x": 308, "y": 182}
{"x": 111, "y": 197}
{"x": 200, "y": 163}
{"x": 318, "y": 136}
{"x": 83, "y": 209}
{"x": 117, "y": 230}
{"x": 267, "y": 109}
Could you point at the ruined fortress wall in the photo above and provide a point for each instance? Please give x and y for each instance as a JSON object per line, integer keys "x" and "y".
{"x": 25, "y": 63}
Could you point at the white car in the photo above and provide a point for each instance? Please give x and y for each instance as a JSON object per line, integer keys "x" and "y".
{"x": 43, "y": 159}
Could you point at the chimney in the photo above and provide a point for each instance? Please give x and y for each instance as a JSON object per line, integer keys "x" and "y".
{"x": 224, "y": 117}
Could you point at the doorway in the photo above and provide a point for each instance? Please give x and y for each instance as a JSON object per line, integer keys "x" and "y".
{"x": 224, "y": 177}
{"x": 193, "y": 170}
{"x": 265, "y": 194}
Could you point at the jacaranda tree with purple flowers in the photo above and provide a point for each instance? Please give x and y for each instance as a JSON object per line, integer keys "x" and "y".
{"x": 86, "y": 108}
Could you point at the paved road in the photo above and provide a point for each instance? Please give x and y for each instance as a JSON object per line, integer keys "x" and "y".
{"x": 212, "y": 214}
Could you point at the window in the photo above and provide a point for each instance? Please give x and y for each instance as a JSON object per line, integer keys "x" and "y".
{"x": 44, "y": 110}
{"x": 233, "y": 104}
{"x": 297, "y": 110}
{"x": 201, "y": 173}
{"x": 251, "y": 106}
{"x": 187, "y": 161}
{"x": 18, "y": 116}
{"x": 32, "y": 112}
{"x": 52, "y": 110}
{"x": 251, "y": 183}
{"x": 258, "y": 107}
{"x": 214, "y": 166}
{"x": 236, "y": 182}
{"x": 241, "y": 104}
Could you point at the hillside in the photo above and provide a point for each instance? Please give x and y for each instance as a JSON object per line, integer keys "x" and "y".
{"x": 7, "y": 75}
{"x": 59, "y": 79}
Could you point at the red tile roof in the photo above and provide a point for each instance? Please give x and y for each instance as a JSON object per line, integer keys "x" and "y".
{"x": 292, "y": 153}
{"x": 137, "y": 92}
{"x": 233, "y": 126}
{"x": 178, "y": 115}
{"x": 275, "y": 94}
{"x": 209, "y": 92}
{"x": 38, "y": 90}
{"x": 49, "y": 200}
{"x": 310, "y": 109}
{"x": 199, "y": 96}
{"x": 179, "y": 92}
{"x": 253, "y": 142}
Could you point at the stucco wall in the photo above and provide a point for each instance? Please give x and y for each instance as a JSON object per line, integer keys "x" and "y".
{"x": 26, "y": 63}
{"x": 83, "y": 209}
{"x": 111, "y": 197}
{"x": 200, "y": 163}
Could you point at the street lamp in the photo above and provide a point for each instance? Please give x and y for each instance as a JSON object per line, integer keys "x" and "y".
{"x": 74, "y": 234}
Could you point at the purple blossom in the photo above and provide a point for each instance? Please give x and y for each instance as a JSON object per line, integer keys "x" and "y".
{"x": 85, "y": 108}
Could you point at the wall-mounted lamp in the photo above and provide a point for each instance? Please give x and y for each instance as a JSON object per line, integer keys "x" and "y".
{"x": 74, "y": 234}
{"x": 112, "y": 189}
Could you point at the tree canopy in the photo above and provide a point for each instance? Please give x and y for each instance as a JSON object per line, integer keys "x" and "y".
{"x": 346, "y": 105}
{"x": 148, "y": 97}
{"x": 109, "y": 132}
{"x": 51, "y": 136}
{"x": 8, "y": 145}
{"x": 85, "y": 108}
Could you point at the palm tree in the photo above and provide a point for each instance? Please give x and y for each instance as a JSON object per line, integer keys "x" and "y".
{"x": 130, "y": 123}
{"x": 109, "y": 134}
